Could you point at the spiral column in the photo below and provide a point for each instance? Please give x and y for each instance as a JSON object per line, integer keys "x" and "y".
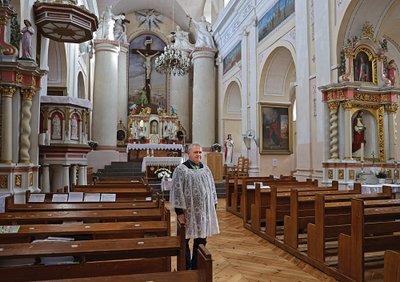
{"x": 333, "y": 130}
{"x": 25, "y": 143}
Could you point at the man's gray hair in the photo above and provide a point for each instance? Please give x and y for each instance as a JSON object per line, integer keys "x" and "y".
{"x": 193, "y": 145}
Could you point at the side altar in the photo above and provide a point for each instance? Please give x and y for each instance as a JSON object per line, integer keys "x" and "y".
{"x": 361, "y": 112}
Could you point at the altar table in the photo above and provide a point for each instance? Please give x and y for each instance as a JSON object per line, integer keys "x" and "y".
{"x": 159, "y": 150}
{"x": 151, "y": 164}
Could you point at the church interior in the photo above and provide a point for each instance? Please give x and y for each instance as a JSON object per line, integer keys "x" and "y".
{"x": 295, "y": 106}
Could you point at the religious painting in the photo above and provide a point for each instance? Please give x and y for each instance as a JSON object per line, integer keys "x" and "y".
{"x": 279, "y": 12}
{"x": 363, "y": 67}
{"x": 74, "y": 123}
{"x": 234, "y": 56}
{"x": 275, "y": 129}
{"x": 146, "y": 86}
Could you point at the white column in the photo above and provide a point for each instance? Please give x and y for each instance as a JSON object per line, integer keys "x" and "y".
{"x": 7, "y": 93}
{"x": 203, "y": 124}
{"x": 45, "y": 179}
{"x": 348, "y": 154}
{"x": 304, "y": 160}
{"x": 73, "y": 174}
{"x": 25, "y": 143}
{"x": 105, "y": 101}
{"x": 82, "y": 175}
{"x": 123, "y": 84}
{"x": 180, "y": 97}
{"x": 66, "y": 176}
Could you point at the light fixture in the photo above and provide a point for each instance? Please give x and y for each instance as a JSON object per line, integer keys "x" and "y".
{"x": 172, "y": 60}
{"x": 250, "y": 135}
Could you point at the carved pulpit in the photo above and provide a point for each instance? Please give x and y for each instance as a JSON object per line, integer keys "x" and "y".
{"x": 362, "y": 109}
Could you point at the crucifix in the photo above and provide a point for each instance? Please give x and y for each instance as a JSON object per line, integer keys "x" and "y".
{"x": 147, "y": 55}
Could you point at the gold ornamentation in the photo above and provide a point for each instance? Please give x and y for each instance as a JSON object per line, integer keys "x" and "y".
{"x": 27, "y": 94}
{"x": 341, "y": 174}
{"x": 351, "y": 174}
{"x": 19, "y": 78}
{"x": 367, "y": 31}
{"x": 30, "y": 179}
{"x": 366, "y": 97}
{"x": 391, "y": 108}
{"x": 381, "y": 133}
{"x": 330, "y": 173}
{"x": 4, "y": 181}
{"x": 340, "y": 94}
{"x": 333, "y": 106}
{"x": 18, "y": 180}
{"x": 348, "y": 105}
{"x": 8, "y": 91}
{"x": 33, "y": 81}
{"x": 389, "y": 173}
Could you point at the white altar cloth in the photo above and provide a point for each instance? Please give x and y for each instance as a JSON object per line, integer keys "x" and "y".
{"x": 161, "y": 161}
{"x": 164, "y": 147}
{"x": 377, "y": 188}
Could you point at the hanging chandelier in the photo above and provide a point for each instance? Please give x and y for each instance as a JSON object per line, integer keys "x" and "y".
{"x": 172, "y": 61}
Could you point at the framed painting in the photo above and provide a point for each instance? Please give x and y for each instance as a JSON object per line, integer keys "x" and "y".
{"x": 275, "y": 128}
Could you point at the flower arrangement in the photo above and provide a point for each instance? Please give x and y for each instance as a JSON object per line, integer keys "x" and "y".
{"x": 381, "y": 173}
{"x": 92, "y": 144}
{"x": 163, "y": 172}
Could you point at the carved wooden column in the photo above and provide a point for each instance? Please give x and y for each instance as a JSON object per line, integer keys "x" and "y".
{"x": 348, "y": 130}
{"x": 7, "y": 93}
{"x": 25, "y": 143}
{"x": 392, "y": 109}
{"x": 333, "y": 130}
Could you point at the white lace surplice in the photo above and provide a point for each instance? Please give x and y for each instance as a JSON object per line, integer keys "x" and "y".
{"x": 193, "y": 190}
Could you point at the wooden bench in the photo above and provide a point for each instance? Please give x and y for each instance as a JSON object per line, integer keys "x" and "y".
{"x": 204, "y": 273}
{"x": 105, "y": 230}
{"x": 120, "y": 180}
{"x": 373, "y": 230}
{"x": 392, "y": 266}
{"x": 94, "y": 257}
{"x": 302, "y": 210}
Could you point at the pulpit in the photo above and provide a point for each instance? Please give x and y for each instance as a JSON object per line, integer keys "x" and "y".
{"x": 214, "y": 162}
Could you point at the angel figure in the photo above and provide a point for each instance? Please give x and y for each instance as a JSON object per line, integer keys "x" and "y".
{"x": 149, "y": 17}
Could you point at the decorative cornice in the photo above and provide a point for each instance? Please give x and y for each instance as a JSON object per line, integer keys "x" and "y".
{"x": 27, "y": 94}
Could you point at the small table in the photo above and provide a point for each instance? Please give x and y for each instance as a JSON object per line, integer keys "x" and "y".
{"x": 151, "y": 164}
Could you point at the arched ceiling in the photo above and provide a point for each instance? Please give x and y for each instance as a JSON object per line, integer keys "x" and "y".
{"x": 181, "y": 8}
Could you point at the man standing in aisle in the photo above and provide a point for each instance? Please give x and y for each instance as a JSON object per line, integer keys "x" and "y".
{"x": 194, "y": 198}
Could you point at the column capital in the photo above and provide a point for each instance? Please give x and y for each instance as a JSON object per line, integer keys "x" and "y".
{"x": 391, "y": 108}
{"x": 333, "y": 106}
{"x": 28, "y": 93}
{"x": 7, "y": 91}
{"x": 348, "y": 105}
{"x": 204, "y": 52}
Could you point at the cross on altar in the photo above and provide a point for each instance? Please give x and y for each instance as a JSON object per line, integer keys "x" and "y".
{"x": 147, "y": 54}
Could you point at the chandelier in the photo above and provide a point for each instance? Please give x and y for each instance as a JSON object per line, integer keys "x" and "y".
{"x": 172, "y": 61}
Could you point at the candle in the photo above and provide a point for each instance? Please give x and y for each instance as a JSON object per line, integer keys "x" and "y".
{"x": 362, "y": 152}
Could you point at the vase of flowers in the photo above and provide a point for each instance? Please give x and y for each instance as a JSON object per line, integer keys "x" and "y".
{"x": 381, "y": 175}
{"x": 163, "y": 173}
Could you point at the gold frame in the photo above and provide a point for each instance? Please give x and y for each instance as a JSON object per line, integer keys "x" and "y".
{"x": 371, "y": 58}
{"x": 378, "y": 112}
{"x": 280, "y": 110}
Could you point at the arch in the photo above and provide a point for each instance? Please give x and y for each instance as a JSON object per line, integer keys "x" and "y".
{"x": 278, "y": 76}
{"x": 233, "y": 101}
{"x": 81, "y": 86}
{"x": 57, "y": 75}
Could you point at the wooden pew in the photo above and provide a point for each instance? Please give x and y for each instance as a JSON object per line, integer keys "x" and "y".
{"x": 120, "y": 180}
{"x": 302, "y": 209}
{"x": 139, "y": 193}
{"x": 86, "y": 216}
{"x": 105, "y": 230}
{"x": 331, "y": 219}
{"x": 94, "y": 257}
{"x": 204, "y": 273}
{"x": 372, "y": 230}
{"x": 392, "y": 266}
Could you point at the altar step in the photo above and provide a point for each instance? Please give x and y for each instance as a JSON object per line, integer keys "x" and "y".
{"x": 121, "y": 170}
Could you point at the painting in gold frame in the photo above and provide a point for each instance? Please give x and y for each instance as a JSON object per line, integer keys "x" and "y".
{"x": 275, "y": 122}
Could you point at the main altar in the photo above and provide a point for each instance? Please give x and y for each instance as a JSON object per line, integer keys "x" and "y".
{"x": 362, "y": 110}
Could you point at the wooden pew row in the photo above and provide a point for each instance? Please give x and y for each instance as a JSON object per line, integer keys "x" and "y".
{"x": 140, "y": 193}
{"x": 204, "y": 273}
{"x": 120, "y": 196}
{"x": 271, "y": 205}
{"x": 302, "y": 211}
{"x": 86, "y": 216}
{"x": 106, "y": 230}
{"x": 373, "y": 230}
{"x": 392, "y": 266}
{"x": 114, "y": 185}
{"x": 234, "y": 190}
{"x": 70, "y": 206}
{"x": 120, "y": 180}
{"x": 258, "y": 199}
{"x": 94, "y": 257}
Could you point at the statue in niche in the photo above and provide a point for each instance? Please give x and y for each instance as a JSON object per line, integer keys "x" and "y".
{"x": 358, "y": 133}
{"x": 362, "y": 68}
{"x": 74, "y": 128}
{"x": 56, "y": 127}
{"x": 26, "y": 40}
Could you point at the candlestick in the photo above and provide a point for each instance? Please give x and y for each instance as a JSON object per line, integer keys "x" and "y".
{"x": 362, "y": 152}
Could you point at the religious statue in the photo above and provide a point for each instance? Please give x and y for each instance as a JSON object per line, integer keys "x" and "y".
{"x": 120, "y": 28}
{"x": 56, "y": 130}
{"x": 229, "y": 149}
{"x": 26, "y": 40}
{"x": 182, "y": 39}
{"x": 204, "y": 37}
{"x": 147, "y": 62}
{"x": 107, "y": 24}
{"x": 74, "y": 128}
{"x": 358, "y": 133}
{"x": 391, "y": 72}
{"x": 149, "y": 18}
{"x": 362, "y": 68}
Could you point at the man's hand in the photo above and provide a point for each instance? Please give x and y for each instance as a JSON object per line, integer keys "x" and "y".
{"x": 181, "y": 218}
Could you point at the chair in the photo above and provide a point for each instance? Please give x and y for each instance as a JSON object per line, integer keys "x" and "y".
{"x": 239, "y": 170}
